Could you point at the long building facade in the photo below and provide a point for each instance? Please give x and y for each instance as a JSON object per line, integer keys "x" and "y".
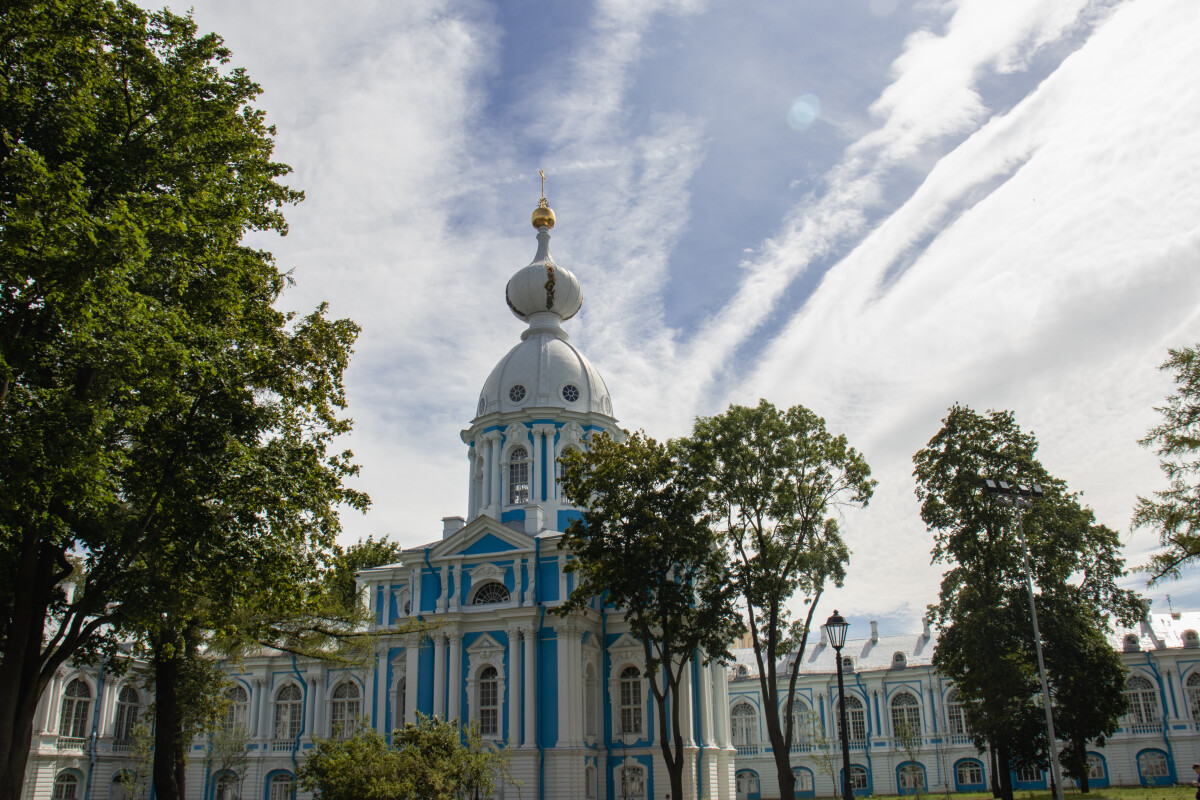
{"x": 568, "y": 696}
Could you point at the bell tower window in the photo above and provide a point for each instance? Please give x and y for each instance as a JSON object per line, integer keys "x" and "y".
{"x": 518, "y": 476}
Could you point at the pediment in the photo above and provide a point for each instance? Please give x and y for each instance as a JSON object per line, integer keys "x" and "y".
{"x": 485, "y": 644}
{"x": 625, "y": 642}
{"x": 482, "y": 536}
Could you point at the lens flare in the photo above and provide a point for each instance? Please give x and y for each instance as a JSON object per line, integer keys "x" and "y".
{"x": 804, "y": 112}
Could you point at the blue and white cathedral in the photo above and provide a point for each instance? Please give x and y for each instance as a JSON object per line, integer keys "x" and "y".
{"x": 568, "y": 695}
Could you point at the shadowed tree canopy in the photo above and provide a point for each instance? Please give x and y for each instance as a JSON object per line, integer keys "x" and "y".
{"x": 163, "y": 421}
{"x": 986, "y": 643}
{"x": 776, "y": 483}
{"x": 641, "y": 506}
{"x": 1175, "y": 511}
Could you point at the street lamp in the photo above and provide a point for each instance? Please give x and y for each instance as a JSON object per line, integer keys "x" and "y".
{"x": 1021, "y": 496}
{"x": 835, "y": 629}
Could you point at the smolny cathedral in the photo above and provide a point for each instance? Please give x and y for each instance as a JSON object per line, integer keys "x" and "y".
{"x": 568, "y": 696}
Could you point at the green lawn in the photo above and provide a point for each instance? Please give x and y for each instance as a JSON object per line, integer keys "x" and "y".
{"x": 1110, "y": 793}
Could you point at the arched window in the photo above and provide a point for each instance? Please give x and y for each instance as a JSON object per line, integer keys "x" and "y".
{"x": 401, "y": 699}
{"x": 238, "y": 711}
{"x": 289, "y": 714}
{"x": 560, "y": 470}
{"x": 906, "y": 716}
{"x": 589, "y": 783}
{"x": 743, "y": 722}
{"x": 1191, "y": 638}
{"x": 491, "y": 592}
{"x": 1153, "y": 764}
{"x": 1193, "y": 694}
{"x": 345, "y": 710}
{"x": 1031, "y": 774}
{"x": 804, "y": 779}
{"x": 631, "y": 700}
{"x": 489, "y": 702}
{"x": 911, "y": 777}
{"x": 858, "y": 778}
{"x": 77, "y": 701}
{"x": 969, "y": 773}
{"x": 899, "y": 660}
{"x": 227, "y": 787}
{"x": 1142, "y": 701}
{"x": 847, "y": 664}
{"x": 955, "y": 715}
{"x": 633, "y": 783}
{"x": 518, "y": 476}
{"x": 66, "y": 786}
{"x": 802, "y": 725}
{"x": 127, "y": 714}
{"x": 282, "y": 787}
{"x": 856, "y": 719}
{"x": 1096, "y": 771}
{"x": 1132, "y": 643}
{"x": 747, "y": 783}
{"x": 117, "y": 791}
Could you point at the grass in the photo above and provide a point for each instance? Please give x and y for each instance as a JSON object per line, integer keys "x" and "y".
{"x": 1181, "y": 792}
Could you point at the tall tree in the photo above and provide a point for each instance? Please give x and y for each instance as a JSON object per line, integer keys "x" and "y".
{"x": 1175, "y": 511}
{"x": 161, "y": 418}
{"x": 776, "y": 481}
{"x": 986, "y": 642}
{"x": 642, "y": 506}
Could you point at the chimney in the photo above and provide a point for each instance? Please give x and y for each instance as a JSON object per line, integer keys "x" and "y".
{"x": 824, "y": 636}
{"x": 925, "y": 627}
{"x": 874, "y": 631}
{"x": 535, "y": 519}
{"x": 451, "y": 525}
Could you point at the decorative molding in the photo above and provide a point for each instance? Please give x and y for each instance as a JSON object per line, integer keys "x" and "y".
{"x": 516, "y": 434}
{"x": 483, "y": 572}
{"x": 570, "y": 435}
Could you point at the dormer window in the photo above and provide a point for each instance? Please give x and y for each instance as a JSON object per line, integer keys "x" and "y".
{"x": 1132, "y": 643}
{"x": 899, "y": 660}
{"x": 848, "y": 663}
{"x": 1191, "y": 639}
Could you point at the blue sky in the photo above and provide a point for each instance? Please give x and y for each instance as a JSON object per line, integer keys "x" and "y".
{"x": 874, "y": 208}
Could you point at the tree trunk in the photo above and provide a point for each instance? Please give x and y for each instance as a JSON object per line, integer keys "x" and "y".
{"x": 167, "y": 745}
{"x": 22, "y": 680}
{"x": 1006, "y": 789}
{"x": 995, "y": 781}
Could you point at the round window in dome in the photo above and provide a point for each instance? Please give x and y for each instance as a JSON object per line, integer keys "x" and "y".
{"x": 570, "y": 393}
{"x": 516, "y": 393}
{"x": 482, "y": 406}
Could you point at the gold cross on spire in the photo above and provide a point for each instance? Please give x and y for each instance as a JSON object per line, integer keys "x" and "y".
{"x": 543, "y": 174}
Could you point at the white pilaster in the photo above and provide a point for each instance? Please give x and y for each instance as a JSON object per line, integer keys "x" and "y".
{"x": 412, "y": 653}
{"x": 439, "y": 676}
{"x": 707, "y": 737}
{"x": 455, "y": 674}
{"x": 514, "y": 685}
{"x": 472, "y": 486}
{"x": 453, "y": 578}
{"x": 496, "y": 501}
{"x": 687, "y": 708}
{"x": 530, "y": 737}
{"x": 379, "y": 713}
{"x": 310, "y": 707}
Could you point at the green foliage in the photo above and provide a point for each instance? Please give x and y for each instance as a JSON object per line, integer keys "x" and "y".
{"x": 642, "y": 506}
{"x": 986, "y": 644}
{"x": 345, "y": 562}
{"x": 1175, "y": 511}
{"x": 428, "y": 760}
{"x": 776, "y": 483}
{"x": 162, "y": 419}
{"x": 135, "y": 780}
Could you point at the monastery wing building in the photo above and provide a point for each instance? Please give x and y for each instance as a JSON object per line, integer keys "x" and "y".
{"x": 568, "y": 696}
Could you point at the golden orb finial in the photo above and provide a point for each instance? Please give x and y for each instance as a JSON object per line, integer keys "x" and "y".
{"x": 543, "y": 215}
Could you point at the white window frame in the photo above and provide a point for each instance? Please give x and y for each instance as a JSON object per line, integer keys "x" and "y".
{"x": 744, "y": 725}
{"x": 974, "y": 772}
{"x": 517, "y": 467}
{"x": 345, "y": 709}
{"x": 1143, "y": 701}
{"x": 75, "y": 718}
{"x": 630, "y": 708}
{"x": 483, "y": 585}
{"x": 276, "y": 790}
{"x": 62, "y": 780}
{"x": 293, "y": 708}
{"x": 126, "y": 716}
{"x": 1153, "y": 764}
{"x": 237, "y": 713}
{"x": 856, "y": 719}
{"x": 905, "y": 711}
{"x": 1192, "y": 687}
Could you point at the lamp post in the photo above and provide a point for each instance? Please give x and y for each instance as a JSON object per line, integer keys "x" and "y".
{"x": 835, "y": 628}
{"x": 1021, "y": 496}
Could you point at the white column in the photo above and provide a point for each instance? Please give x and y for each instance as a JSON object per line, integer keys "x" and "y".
{"x": 452, "y": 579}
{"x": 687, "y": 707}
{"x": 455, "y": 674}
{"x": 706, "y": 705}
{"x": 260, "y": 701}
{"x": 497, "y": 490}
{"x": 385, "y": 613}
{"x": 439, "y": 676}
{"x": 569, "y": 678}
{"x": 721, "y": 718}
{"x": 530, "y": 698}
{"x": 54, "y": 705}
{"x": 320, "y": 714}
{"x": 472, "y": 491}
{"x": 514, "y": 685}
{"x": 377, "y": 716}
{"x": 414, "y": 590}
{"x": 412, "y": 652}
{"x": 310, "y": 708}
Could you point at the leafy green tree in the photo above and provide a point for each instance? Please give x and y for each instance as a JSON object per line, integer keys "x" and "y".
{"x": 1175, "y": 511}
{"x": 345, "y": 563}
{"x": 162, "y": 419}
{"x": 776, "y": 482}
{"x": 428, "y": 760}
{"x": 642, "y": 506}
{"x": 986, "y": 644}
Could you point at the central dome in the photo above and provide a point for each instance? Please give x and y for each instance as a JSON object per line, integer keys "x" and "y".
{"x": 544, "y": 370}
